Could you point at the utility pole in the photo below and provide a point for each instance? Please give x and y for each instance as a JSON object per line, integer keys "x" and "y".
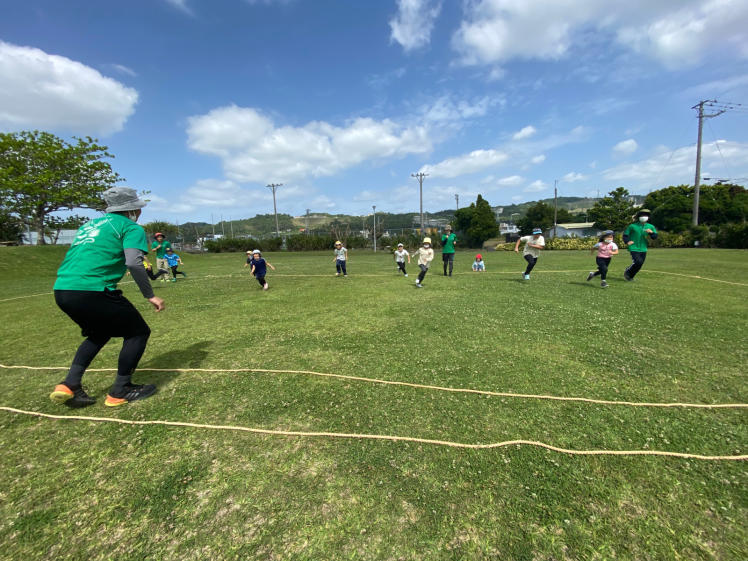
{"x": 457, "y": 200}
{"x": 307, "y": 222}
{"x": 419, "y": 176}
{"x": 223, "y": 229}
{"x": 374, "y": 208}
{"x": 213, "y": 225}
{"x": 555, "y": 205}
{"x": 697, "y": 179}
{"x": 273, "y": 187}
{"x": 231, "y": 225}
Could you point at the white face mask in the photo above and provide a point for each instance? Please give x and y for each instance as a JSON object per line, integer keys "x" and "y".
{"x": 643, "y": 218}
{"x": 608, "y": 241}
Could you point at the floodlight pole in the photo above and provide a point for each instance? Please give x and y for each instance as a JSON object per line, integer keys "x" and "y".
{"x": 374, "y": 208}
{"x": 419, "y": 176}
{"x": 273, "y": 187}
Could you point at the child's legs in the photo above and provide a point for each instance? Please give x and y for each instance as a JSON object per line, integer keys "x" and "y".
{"x": 530, "y": 263}
{"x": 175, "y": 272}
{"x": 261, "y": 280}
{"x": 602, "y": 267}
{"x": 401, "y": 265}
{"x": 422, "y": 274}
{"x": 338, "y": 265}
{"x": 342, "y": 266}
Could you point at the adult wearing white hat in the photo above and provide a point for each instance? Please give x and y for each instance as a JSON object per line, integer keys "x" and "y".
{"x": 86, "y": 290}
{"x": 635, "y": 238}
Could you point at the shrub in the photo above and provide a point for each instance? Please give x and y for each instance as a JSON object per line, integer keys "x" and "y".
{"x": 732, "y": 236}
{"x": 232, "y": 245}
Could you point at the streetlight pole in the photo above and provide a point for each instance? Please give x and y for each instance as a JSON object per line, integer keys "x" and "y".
{"x": 273, "y": 187}
{"x": 419, "y": 176}
{"x": 457, "y": 200}
{"x": 374, "y": 208}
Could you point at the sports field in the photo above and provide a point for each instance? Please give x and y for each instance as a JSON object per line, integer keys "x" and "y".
{"x": 97, "y": 490}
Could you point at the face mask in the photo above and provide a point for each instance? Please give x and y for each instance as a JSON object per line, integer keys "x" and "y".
{"x": 643, "y": 218}
{"x": 427, "y": 245}
{"x": 608, "y": 241}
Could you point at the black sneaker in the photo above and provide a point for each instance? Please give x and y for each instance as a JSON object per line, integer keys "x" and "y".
{"x": 133, "y": 392}
{"x": 626, "y": 276}
{"x": 72, "y": 398}
{"x": 591, "y": 275}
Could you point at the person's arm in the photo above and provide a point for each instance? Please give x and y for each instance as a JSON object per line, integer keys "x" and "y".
{"x": 626, "y": 237}
{"x": 134, "y": 264}
{"x": 652, "y": 231}
{"x": 614, "y": 252}
{"x": 156, "y": 248}
{"x": 346, "y": 254}
{"x": 269, "y": 265}
{"x": 408, "y": 254}
{"x": 516, "y": 246}
{"x": 252, "y": 270}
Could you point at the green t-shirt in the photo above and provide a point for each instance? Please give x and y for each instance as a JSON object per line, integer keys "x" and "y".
{"x": 636, "y": 234}
{"x": 96, "y": 258}
{"x": 161, "y": 251}
{"x": 448, "y": 243}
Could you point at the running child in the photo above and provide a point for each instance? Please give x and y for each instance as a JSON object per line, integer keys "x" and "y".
{"x": 425, "y": 256}
{"x": 259, "y": 267}
{"x": 174, "y": 261}
{"x": 341, "y": 258}
{"x": 478, "y": 264}
{"x": 533, "y": 245}
{"x": 400, "y": 254}
{"x": 606, "y": 248}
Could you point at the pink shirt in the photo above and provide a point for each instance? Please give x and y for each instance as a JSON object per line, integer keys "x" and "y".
{"x": 605, "y": 250}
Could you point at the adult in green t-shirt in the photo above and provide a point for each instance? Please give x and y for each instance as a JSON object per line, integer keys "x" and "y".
{"x": 86, "y": 290}
{"x": 160, "y": 245}
{"x": 635, "y": 238}
{"x": 448, "y": 249}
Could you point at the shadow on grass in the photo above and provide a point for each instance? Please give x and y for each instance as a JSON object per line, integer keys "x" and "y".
{"x": 189, "y": 357}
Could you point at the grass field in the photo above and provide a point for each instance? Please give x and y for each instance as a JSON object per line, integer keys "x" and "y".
{"x": 97, "y": 491}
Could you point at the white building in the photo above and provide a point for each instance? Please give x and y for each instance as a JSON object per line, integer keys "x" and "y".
{"x": 575, "y": 230}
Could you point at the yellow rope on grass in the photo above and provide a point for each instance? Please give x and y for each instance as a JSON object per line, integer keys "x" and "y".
{"x": 391, "y": 438}
{"x": 414, "y": 385}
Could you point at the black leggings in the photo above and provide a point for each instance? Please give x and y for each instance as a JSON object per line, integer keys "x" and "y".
{"x": 261, "y": 280}
{"x": 153, "y": 276}
{"x": 422, "y": 274}
{"x": 530, "y": 262}
{"x": 401, "y": 265}
{"x": 602, "y": 267}
{"x": 101, "y": 316}
{"x": 174, "y": 271}
{"x": 340, "y": 266}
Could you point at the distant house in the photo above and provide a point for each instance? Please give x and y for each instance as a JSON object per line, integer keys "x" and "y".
{"x": 66, "y": 237}
{"x": 575, "y": 230}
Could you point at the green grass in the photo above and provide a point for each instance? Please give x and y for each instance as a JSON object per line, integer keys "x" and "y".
{"x": 99, "y": 491}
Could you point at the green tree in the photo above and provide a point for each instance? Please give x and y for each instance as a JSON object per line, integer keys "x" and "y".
{"x": 672, "y": 207}
{"x": 540, "y": 215}
{"x": 166, "y": 228}
{"x": 11, "y": 228}
{"x": 477, "y": 223}
{"x": 41, "y": 174}
{"x": 612, "y": 212}
{"x": 55, "y": 225}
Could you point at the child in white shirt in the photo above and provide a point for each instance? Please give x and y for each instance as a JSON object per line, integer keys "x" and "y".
{"x": 425, "y": 256}
{"x": 400, "y": 254}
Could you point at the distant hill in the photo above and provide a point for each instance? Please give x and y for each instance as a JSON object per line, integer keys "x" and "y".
{"x": 263, "y": 225}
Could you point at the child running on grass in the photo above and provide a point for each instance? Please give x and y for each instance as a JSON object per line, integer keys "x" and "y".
{"x": 606, "y": 248}
{"x": 341, "y": 258}
{"x": 533, "y": 245}
{"x": 174, "y": 261}
{"x": 400, "y": 254}
{"x": 259, "y": 267}
{"x": 478, "y": 264}
{"x": 425, "y": 256}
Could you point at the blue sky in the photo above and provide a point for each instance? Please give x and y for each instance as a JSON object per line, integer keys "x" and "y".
{"x": 206, "y": 102}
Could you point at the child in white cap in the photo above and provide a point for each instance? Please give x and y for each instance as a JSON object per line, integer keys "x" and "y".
{"x": 259, "y": 267}
{"x": 400, "y": 254}
{"x": 341, "y": 258}
{"x": 425, "y": 256}
{"x": 533, "y": 245}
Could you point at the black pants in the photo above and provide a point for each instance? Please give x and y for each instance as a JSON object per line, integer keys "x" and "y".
{"x": 637, "y": 260}
{"x": 530, "y": 262}
{"x": 448, "y": 258}
{"x": 174, "y": 272}
{"x": 602, "y": 267}
{"x": 101, "y": 316}
{"x": 153, "y": 276}
{"x": 340, "y": 266}
{"x": 422, "y": 274}
{"x": 401, "y": 265}
{"x": 261, "y": 280}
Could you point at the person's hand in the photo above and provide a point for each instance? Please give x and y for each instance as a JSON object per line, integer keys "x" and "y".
{"x": 649, "y": 231}
{"x": 629, "y": 243}
{"x": 157, "y": 302}
{"x": 516, "y": 250}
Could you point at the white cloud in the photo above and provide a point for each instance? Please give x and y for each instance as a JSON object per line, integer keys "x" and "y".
{"x": 539, "y": 159}
{"x": 253, "y": 149}
{"x": 46, "y": 91}
{"x": 445, "y": 109}
{"x": 511, "y": 181}
{"x": 675, "y": 32}
{"x": 573, "y": 176}
{"x": 625, "y": 147}
{"x": 180, "y": 5}
{"x": 124, "y": 70}
{"x": 526, "y": 132}
{"x": 676, "y": 167}
{"x": 477, "y": 160}
{"x": 412, "y": 25}
{"x": 535, "y": 186}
